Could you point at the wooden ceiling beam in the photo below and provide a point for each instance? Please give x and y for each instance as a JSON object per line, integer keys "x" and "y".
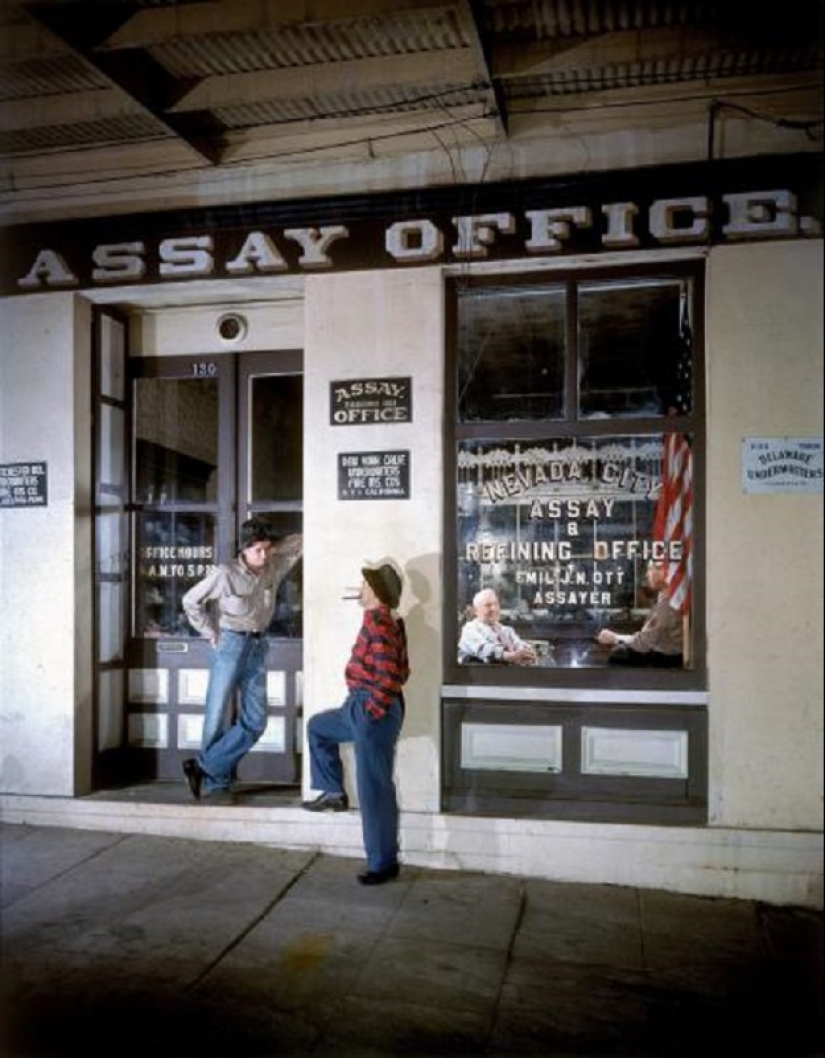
{"x": 472, "y": 20}
{"x": 605, "y": 49}
{"x": 433, "y": 72}
{"x": 153, "y": 26}
{"x": 774, "y": 93}
{"x": 133, "y": 71}
{"x": 68, "y": 108}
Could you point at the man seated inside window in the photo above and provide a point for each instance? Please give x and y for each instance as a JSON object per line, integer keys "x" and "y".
{"x": 485, "y": 640}
{"x": 659, "y": 641}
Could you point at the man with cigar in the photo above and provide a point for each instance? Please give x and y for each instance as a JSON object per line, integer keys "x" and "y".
{"x": 370, "y": 718}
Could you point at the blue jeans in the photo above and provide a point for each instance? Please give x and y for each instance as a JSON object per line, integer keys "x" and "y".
{"x": 374, "y": 743}
{"x": 238, "y": 664}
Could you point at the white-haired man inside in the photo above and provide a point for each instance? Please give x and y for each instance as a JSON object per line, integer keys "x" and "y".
{"x": 485, "y": 640}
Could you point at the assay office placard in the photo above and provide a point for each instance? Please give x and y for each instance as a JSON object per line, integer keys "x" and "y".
{"x": 361, "y": 401}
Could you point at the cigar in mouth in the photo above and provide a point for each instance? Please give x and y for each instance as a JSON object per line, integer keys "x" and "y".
{"x": 351, "y": 594}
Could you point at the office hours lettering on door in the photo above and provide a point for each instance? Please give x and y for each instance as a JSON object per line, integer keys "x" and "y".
{"x": 553, "y": 231}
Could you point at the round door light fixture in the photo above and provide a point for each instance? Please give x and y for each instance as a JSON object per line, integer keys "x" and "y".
{"x": 232, "y": 327}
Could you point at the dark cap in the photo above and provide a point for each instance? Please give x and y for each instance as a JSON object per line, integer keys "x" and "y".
{"x": 385, "y": 582}
{"x": 253, "y": 532}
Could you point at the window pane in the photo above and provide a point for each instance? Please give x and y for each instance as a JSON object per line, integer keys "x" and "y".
{"x": 112, "y": 358}
{"x": 111, "y": 610}
{"x": 111, "y": 470}
{"x": 112, "y": 581}
{"x": 176, "y": 446}
{"x": 510, "y": 353}
{"x": 174, "y": 551}
{"x": 110, "y": 719}
{"x": 277, "y": 426}
{"x": 563, "y": 531}
{"x": 633, "y": 349}
{"x": 111, "y": 538}
{"x": 288, "y": 619}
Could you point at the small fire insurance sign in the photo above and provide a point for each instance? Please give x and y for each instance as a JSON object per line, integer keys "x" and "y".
{"x": 23, "y": 485}
{"x": 373, "y": 475}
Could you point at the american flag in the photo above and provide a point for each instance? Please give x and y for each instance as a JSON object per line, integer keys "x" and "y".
{"x": 673, "y": 520}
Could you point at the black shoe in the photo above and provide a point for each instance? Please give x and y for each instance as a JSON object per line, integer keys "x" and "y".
{"x": 222, "y": 796}
{"x": 328, "y": 802}
{"x": 194, "y": 776}
{"x": 379, "y": 877}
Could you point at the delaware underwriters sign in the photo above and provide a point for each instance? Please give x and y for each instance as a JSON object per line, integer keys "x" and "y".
{"x": 782, "y": 464}
{"x": 370, "y": 400}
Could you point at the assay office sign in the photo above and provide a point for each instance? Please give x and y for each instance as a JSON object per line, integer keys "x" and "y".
{"x": 363, "y": 401}
{"x": 667, "y": 207}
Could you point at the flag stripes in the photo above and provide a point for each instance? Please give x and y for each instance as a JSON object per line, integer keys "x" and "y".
{"x": 673, "y": 520}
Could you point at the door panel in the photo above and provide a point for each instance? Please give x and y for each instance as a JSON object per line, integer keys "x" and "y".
{"x": 111, "y": 543}
{"x": 199, "y": 425}
{"x": 270, "y": 484}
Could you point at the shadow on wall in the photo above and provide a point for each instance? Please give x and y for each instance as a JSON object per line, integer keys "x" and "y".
{"x": 423, "y": 639}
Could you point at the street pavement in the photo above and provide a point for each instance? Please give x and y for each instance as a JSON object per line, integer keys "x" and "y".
{"x": 123, "y": 945}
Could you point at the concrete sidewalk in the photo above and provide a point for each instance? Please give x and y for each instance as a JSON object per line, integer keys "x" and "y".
{"x": 122, "y": 945}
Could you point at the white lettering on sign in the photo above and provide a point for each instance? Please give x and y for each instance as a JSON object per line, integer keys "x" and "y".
{"x": 191, "y": 256}
{"x": 373, "y": 388}
{"x": 550, "y": 226}
{"x": 414, "y": 240}
{"x": 315, "y": 242}
{"x": 761, "y": 213}
{"x": 368, "y": 415}
{"x": 782, "y": 464}
{"x": 49, "y": 269}
{"x": 119, "y": 263}
{"x": 620, "y": 217}
{"x": 475, "y": 234}
{"x": 666, "y": 214}
{"x": 23, "y": 485}
{"x": 258, "y": 254}
{"x": 751, "y": 215}
{"x": 374, "y": 476}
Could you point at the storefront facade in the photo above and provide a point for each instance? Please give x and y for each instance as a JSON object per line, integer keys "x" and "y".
{"x": 537, "y": 387}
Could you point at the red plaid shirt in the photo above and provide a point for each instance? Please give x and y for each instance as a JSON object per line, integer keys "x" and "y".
{"x": 379, "y": 662}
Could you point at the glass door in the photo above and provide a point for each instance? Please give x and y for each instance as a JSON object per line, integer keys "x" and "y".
{"x": 213, "y": 440}
{"x": 270, "y": 485}
{"x": 111, "y": 543}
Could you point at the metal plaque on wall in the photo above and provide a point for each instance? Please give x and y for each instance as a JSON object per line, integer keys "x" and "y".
{"x": 373, "y": 475}
{"x": 358, "y": 402}
{"x": 782, "y": 464}
{"x": 23, "y": 485}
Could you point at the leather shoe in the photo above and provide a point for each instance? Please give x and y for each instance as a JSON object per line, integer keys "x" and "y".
{"x": 194, "y": 777}
{"x": 379, "y": 877}
{"x": 328, "y": 802}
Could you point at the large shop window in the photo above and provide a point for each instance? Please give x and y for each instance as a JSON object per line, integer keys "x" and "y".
{"x": 577, "y": 461}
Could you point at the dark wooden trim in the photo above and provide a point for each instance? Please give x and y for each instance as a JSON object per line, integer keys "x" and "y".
{"x": 569, "y": 794}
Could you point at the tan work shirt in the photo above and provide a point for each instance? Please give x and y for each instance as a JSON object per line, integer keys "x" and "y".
{"x": 231, "y": 596}
{"x": 661, "y": 631}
